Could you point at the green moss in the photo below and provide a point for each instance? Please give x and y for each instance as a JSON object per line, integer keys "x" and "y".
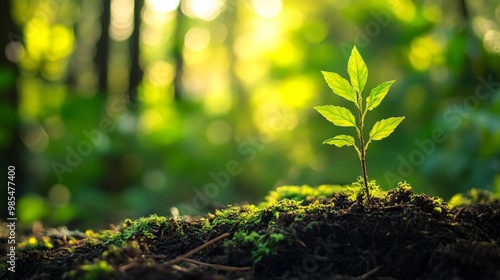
{"x": 235, "y": 214}
{"x": 404, "y": 187}
{"x": 473, "y": 196}
{"x": 308, "y": 193}
{"x": 285, "y": 205}
{"x": 104, "y": 268}
{"x": 99, "y": 270}
{"x": 205, "y": 224}
{"x": 402, "y": 193}
{"x": 358, "y": 189}
{"x": 262, "y": 244}
{"x": 40, "y": 243}
{"x": 144, "y": 227}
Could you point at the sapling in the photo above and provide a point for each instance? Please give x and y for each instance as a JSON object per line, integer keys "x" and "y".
{"x": 340, "y": 116}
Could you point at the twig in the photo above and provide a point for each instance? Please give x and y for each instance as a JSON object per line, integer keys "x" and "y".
{"x": 77, "y": 244}
{"x": 155, "y": 256}
{"x": 196, "y": 250}
{"x": 186, "y": 256}
{"x": 459, "y": 213}
{"x": 128, "y": 266}
{"x": 219, "y": 266}
{"x": 369, "y": 273}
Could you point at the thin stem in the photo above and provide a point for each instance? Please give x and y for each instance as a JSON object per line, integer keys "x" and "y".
{"x": 219, "y": 266}
{"x": 363, "y": 154}
{"x": 357, "y": 150}
{"x": 367, "y": 144}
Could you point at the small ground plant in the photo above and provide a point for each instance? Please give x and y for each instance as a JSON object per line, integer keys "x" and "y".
{"x": 340, "y": 116}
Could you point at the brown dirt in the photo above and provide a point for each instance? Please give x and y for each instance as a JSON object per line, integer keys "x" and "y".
{"x": 402, "y": 236}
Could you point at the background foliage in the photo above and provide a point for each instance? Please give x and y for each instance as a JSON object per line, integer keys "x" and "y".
{"x": 115, "y": 109}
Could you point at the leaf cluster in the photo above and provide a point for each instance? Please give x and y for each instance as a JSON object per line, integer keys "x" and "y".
{"x": 341, "y": 116}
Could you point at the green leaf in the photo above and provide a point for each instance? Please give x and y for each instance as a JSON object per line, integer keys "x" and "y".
{"x": 384, "y": 128}
{"x": 358, "y": 72}
{"x": 340, "y": 141}
{"x": 377, "y": 94}
{"x": 340, "y": 86}
{"x": 339, "y": 116}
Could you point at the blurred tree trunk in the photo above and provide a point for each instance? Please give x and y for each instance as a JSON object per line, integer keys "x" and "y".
{"x": 135, "y": 41}
{"x": 239, "y": 92}
{"x": 477, "y": 62}
{"x": 103, "y": 46}
{"x": 463, "y": 9}
{"x": 11, "y": 147}
{"x": 114, "y": 180}
{"x": 178, "y": 46}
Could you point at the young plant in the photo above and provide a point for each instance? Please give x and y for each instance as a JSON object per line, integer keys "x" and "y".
{"x": 340, "y": 116}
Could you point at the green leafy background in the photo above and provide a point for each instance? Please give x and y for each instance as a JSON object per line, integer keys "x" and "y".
{"x": 231, "y": 89}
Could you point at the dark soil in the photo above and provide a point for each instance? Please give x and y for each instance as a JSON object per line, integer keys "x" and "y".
{"x": 401, "y": 236}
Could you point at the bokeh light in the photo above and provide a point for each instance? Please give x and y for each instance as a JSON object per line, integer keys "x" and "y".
{"x": 197, "y": 39}
{"x": 59, "y": 195}
{"x": 267, "y": 8}
{"x": 163, "y": 6}
{"x": 491, "y": 41}
{"x": 203, "y": 9}
{"x": 160, "y": 73}
{"x": 219, "y": 132}
{"x": 122, "y": 19}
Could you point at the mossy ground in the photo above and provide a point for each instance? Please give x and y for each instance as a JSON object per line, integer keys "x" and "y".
{"x": 298, "y": 233}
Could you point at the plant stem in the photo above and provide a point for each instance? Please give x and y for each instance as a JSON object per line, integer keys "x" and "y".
{"x": 363, "y": 154}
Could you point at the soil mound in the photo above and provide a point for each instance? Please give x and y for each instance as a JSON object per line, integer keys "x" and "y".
{"x": 336, "y": 236}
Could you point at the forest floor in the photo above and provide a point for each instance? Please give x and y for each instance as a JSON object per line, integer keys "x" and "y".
{"x": 298, "y": 233}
